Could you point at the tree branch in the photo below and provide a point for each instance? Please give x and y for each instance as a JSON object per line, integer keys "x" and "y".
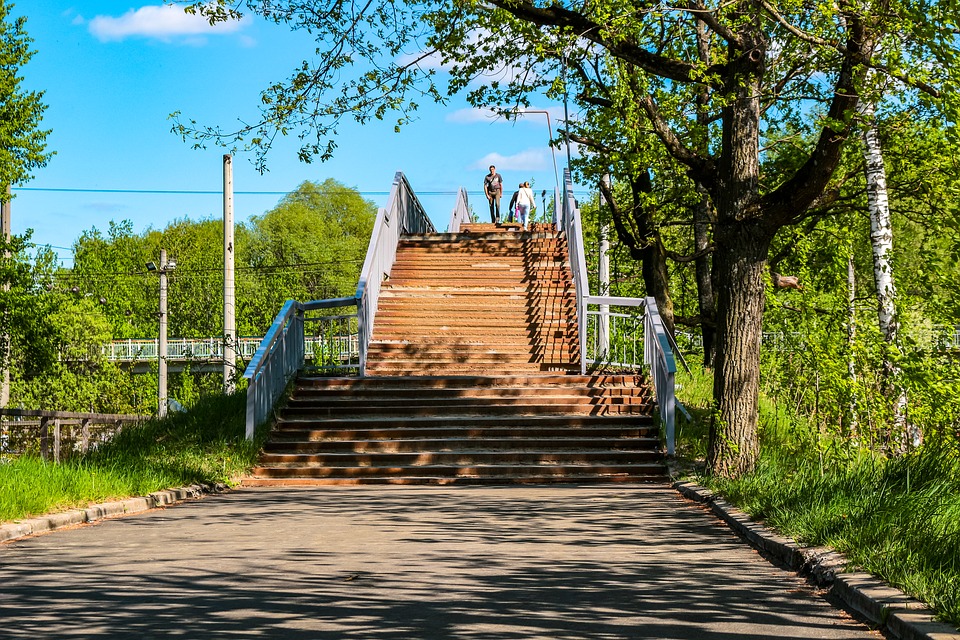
{"x": 707, "y": 17}
{"x": 799, "y": 33}
{"x": 701, "y": 169}
{"x": 556, "y": 15}
{"x": 683, "y": 258}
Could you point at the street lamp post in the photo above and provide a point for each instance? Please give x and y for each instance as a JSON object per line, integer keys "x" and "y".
{"x": 521, "y": 112}
{"x": 165, "y": 267}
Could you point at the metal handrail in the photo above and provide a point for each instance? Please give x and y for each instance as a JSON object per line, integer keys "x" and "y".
{"x": 281, "y": 352}
{"x": 658, "y": 354}
{"x": 460, "y": 213}
{"x": 403, "y": 214}
{"x": 578, "y": 263}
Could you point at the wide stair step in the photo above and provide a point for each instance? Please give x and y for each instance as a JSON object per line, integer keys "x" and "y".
{"x": 464, "y": 430}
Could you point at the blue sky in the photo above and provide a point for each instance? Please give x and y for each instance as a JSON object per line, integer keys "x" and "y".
{"x": 113, "y": 71}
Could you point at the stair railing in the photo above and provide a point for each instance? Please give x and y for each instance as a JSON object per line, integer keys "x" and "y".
{"x": 281, "y": 352}
{"x": 403, "y": 214}
{"x": 578, "y": 263}
{"x": 460, "y": 213}
{"x": 657, "y": 352}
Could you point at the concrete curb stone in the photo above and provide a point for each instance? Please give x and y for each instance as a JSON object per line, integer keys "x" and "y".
{"x": 97, "y": 512}
{"x": 881, "y": 604}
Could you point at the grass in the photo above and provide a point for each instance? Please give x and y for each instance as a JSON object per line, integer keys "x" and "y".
{"x": 897, "y": 518}
{"x": 204, "y": 445}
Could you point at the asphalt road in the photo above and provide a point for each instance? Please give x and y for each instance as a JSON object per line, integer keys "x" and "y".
{"x": 464, "y": 562}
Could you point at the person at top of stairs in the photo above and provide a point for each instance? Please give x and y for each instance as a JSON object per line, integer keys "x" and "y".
{"x": 512, "y": 209}
{"x": 525, "y": 203}
{"x": 493, "y": 188}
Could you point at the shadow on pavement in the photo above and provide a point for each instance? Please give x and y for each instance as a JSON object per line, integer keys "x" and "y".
{"x": 510, "y": 562}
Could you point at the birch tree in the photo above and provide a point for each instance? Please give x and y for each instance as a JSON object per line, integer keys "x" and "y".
{"x": 881, "y": 241}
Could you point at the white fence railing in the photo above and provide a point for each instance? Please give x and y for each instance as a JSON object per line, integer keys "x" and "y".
{"x": 211, "y": 349}
{"x": 460, "y": 213}
{"x": 657, "y": 352}
{"x": 403, "y": 215}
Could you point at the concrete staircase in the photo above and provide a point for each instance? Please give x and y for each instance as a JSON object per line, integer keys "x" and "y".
{"x": 471, "y": 379}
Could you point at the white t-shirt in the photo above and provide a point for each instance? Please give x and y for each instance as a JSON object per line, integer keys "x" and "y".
{"x": 525, "y": 197}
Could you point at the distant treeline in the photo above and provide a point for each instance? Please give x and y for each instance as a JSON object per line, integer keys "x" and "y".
{"x": 310, "y": 246}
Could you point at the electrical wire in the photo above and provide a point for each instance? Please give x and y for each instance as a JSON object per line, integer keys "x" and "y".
{"x": 295, "y": 267}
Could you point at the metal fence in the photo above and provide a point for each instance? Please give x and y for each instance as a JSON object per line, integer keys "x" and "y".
{"x": 334, "y": 343}
{"x": 177, "y": 349}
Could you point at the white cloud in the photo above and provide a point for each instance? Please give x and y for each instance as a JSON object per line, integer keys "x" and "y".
{"x": 470, "y": 116}
{"x": 162, "y": 22}
{"x": 529, "y": 160}
{"x": 486, "y": 115}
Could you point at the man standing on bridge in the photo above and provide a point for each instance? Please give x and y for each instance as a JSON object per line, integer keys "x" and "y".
{"x": 493, "y": 188}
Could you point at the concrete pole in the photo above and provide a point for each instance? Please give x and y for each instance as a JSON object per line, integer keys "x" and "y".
{"x": 229, "y": 285}
{"x": 162, "y": 347}
{"x": 5, "y": 211}
{"x": 604, "y": 277}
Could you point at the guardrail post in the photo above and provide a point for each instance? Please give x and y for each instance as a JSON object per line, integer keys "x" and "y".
{"x": 56, "y": 440}
{"x": 85, "y": 435}
{"x": 44, "y": 439}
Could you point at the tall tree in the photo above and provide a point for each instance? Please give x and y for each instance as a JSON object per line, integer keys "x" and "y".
{"x": 768, "y": 64}
{"x": 23, "y": 145}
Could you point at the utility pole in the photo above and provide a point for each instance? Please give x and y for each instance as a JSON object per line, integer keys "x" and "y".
{"x": 229, "y": 300}
{"x": 162, "y": 347}
{"x": 165, "y": 267}
{"x": 5, "y": 210}
{"x": 604, "y": 277}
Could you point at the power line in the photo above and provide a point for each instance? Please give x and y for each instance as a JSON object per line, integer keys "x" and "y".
{"x": 269, "y": 268}
{"x": 200, "y": 192}
{"x": 203, "y": 192}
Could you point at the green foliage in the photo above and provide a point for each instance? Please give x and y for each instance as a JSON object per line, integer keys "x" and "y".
{"x": 310, "y": 246}
{"x": 320, "y": 232}
{"x": 22, "y": 142}
{"x": 205, "y": 445}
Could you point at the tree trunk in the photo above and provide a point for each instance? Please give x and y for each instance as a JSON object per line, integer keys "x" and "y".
{"x": 640, "y": 235}
{"x": 740, "y": 263}
{"x": 651, "y": 252}
{"x": 702, "y": 218}
{"x": 852, "y": 424}
{"x": 705, "y": 295}
{"x": 742, "y": 240}
{"x": 881, "y": 240}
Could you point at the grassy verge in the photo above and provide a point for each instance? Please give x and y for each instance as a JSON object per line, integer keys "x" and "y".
{"x": 203, "y": 445}
{"x": 898, "y": 519}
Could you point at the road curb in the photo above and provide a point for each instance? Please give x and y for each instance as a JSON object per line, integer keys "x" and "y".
{"x": 97, "y": 512}
{"x": 882, "y": 605}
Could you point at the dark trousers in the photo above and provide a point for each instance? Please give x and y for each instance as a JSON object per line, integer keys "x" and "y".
{"x": 494, "y": 207}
